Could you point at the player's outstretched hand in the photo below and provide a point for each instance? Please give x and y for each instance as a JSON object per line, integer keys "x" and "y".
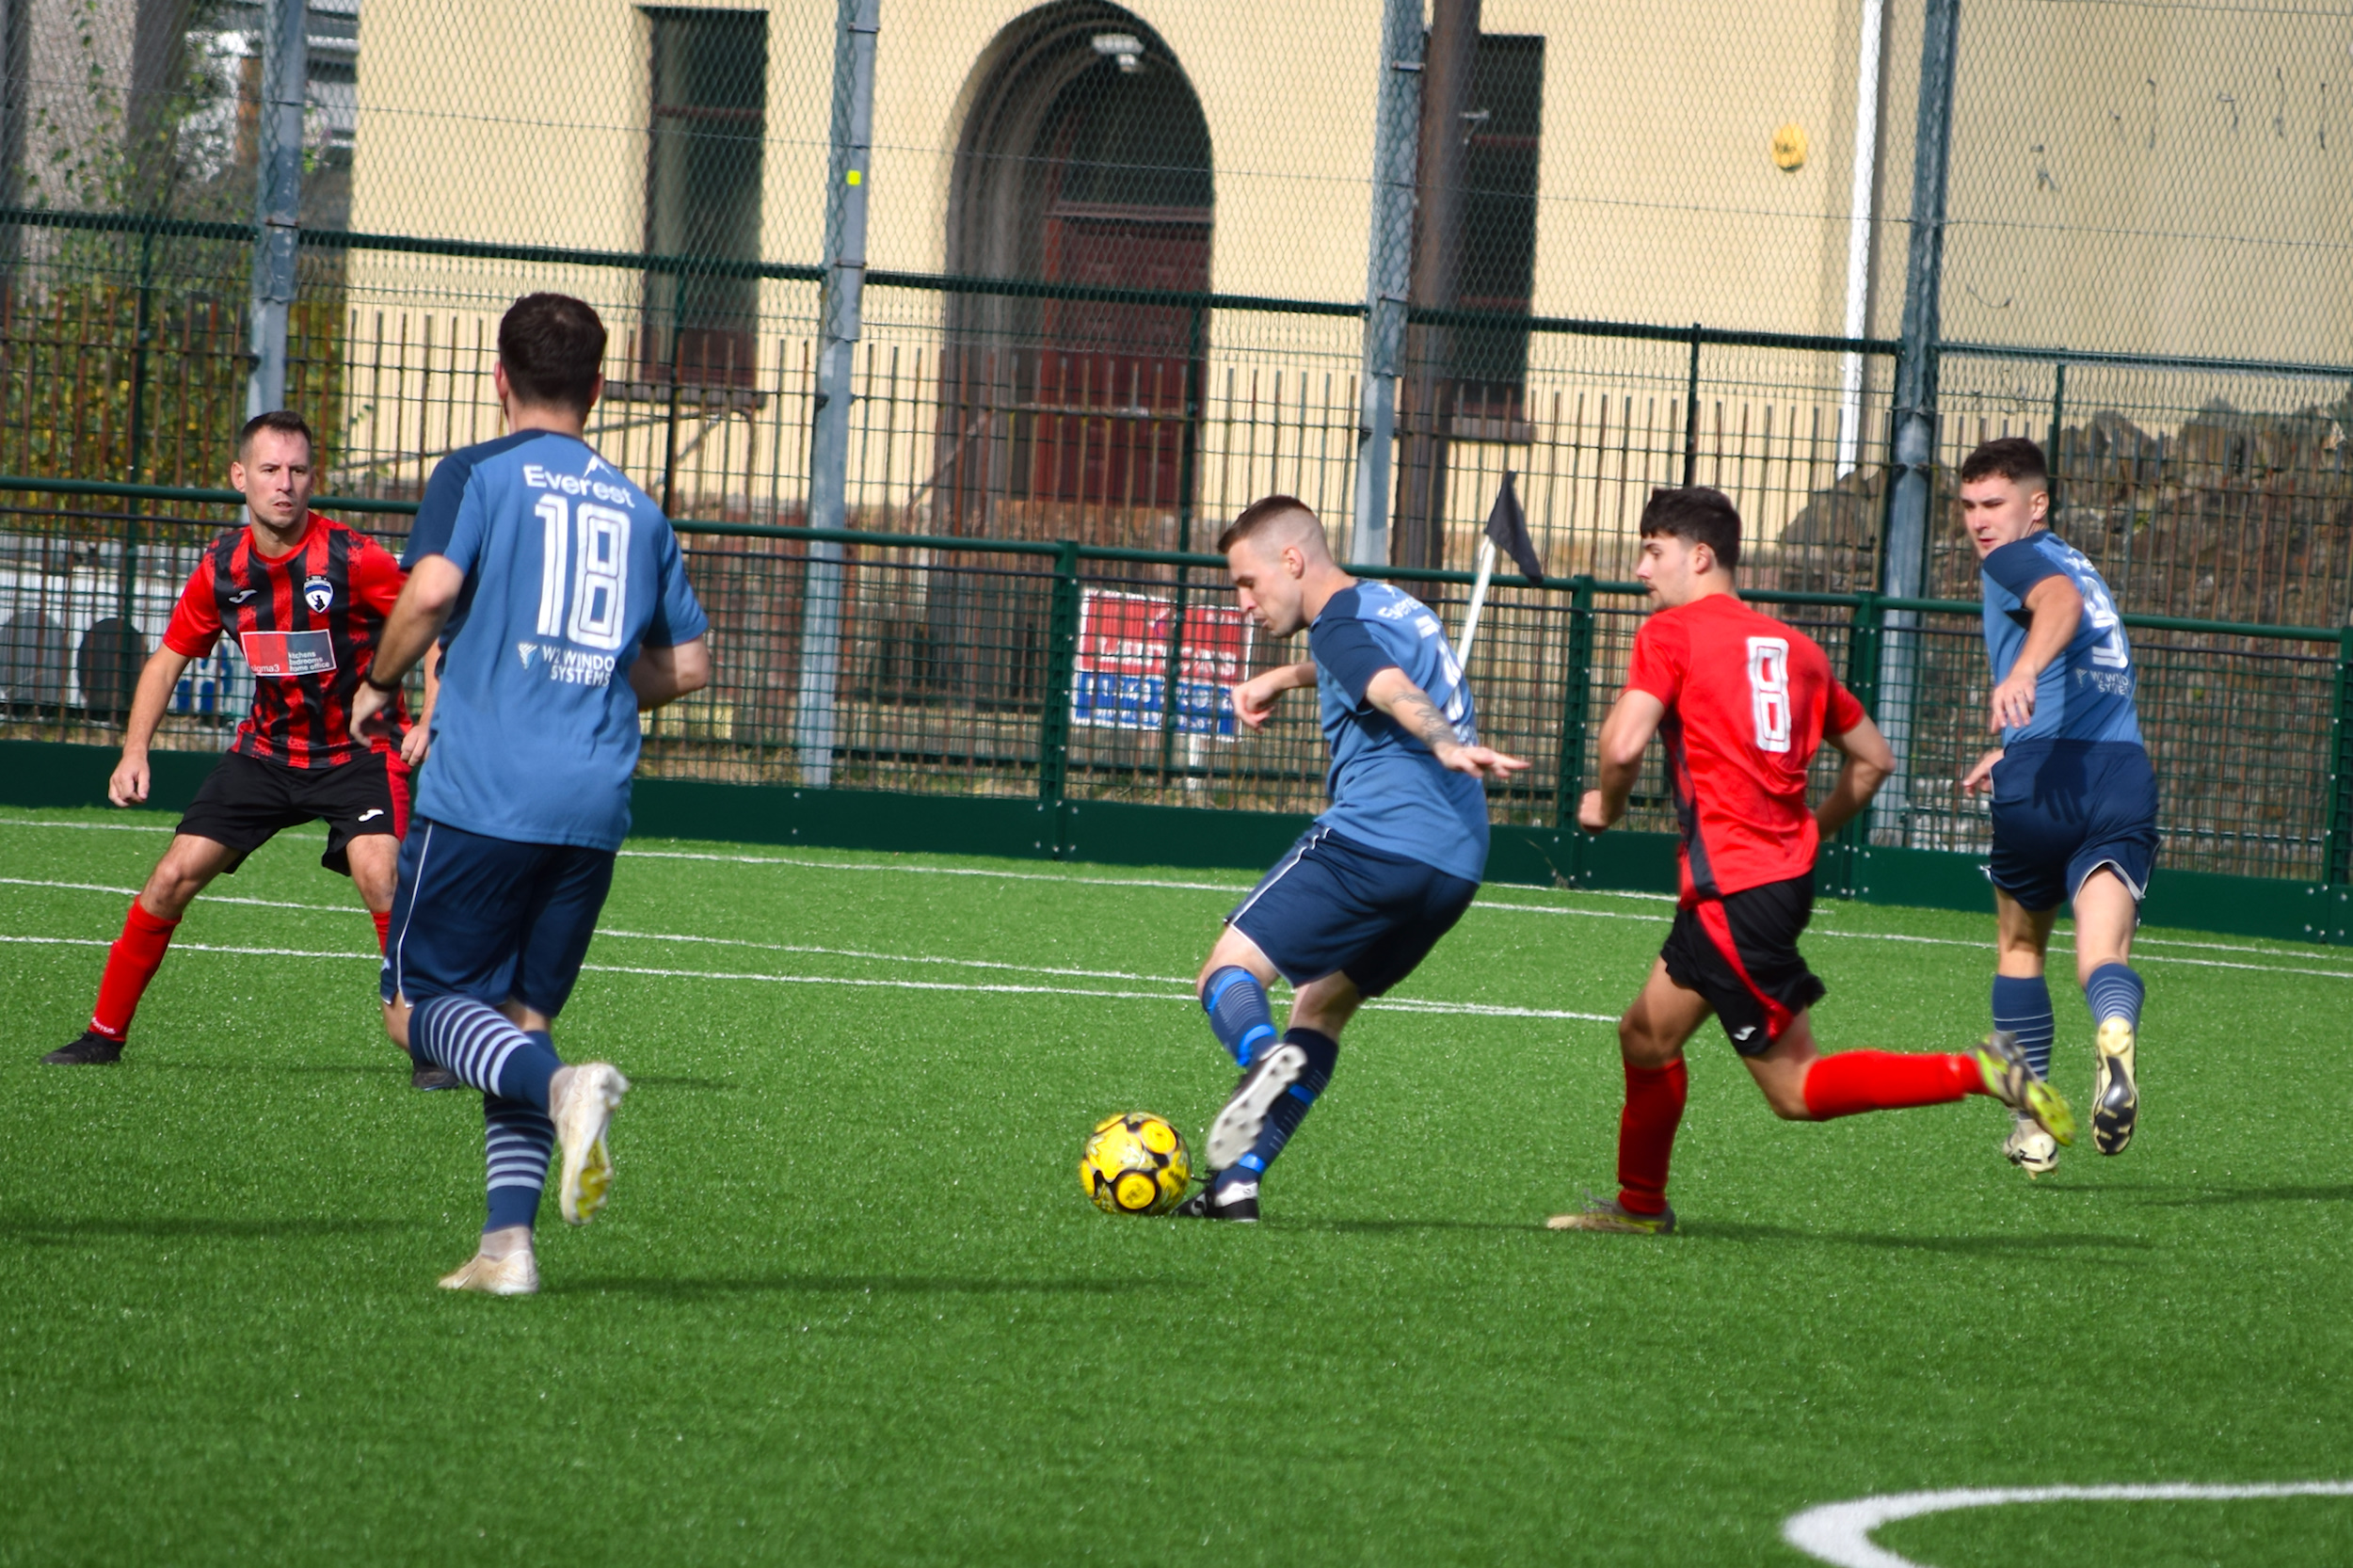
{"x": 1253, "y": 699}
{"x": 2013, "y": 702}
{"x": 369, "y": 715}
{"x": 1481, "y": 762}
{"x": 1980, "y": 775}
{"x": 1592, "y": 812}
{"x": 128, "y": 787}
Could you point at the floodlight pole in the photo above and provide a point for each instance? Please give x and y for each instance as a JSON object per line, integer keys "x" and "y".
{"x": 277, "y": 196}
{"x": 856, "y": 23}
{"x": 1397, "y": 132}
{"x": 1904, "y": 543}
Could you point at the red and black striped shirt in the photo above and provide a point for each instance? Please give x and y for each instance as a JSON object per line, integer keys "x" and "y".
{"x": 308, "y": 623}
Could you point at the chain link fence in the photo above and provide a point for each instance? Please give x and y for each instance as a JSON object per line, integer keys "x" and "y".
{"x": 1114, "y": 287}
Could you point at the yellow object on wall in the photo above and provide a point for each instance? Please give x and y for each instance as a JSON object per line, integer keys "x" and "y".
{"x": 1789, "y": 147}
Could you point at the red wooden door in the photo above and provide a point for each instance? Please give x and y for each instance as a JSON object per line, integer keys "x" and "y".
{"x": 1110, "y": 379}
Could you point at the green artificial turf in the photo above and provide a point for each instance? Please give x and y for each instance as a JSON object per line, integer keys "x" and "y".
{"x": 849, "y": 1305}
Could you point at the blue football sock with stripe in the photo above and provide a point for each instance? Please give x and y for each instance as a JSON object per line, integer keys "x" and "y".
{"x": 2022, "y": 1004}
{"x": 1282, "y": 1118}
{"x": 1239, "y": 1014}
{"x": 476, "y": 1042}
{"x": 2115, "y": 992}
{"x": 518, "y": 1139}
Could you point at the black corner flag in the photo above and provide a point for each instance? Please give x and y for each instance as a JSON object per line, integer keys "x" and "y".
{"x": 1506, "y": 526}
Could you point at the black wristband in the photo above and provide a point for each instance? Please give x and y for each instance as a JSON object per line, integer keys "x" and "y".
{"x": 370, "y": 682}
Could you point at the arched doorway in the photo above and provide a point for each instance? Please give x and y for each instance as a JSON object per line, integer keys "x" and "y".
{"x": 1084, "y": 160}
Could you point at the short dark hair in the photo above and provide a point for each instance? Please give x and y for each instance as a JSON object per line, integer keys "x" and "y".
{"x": 552, "y": 346}
{"x": 2011, "y": 458}
{"x": 284, "y": 421}
{"x": 1255, "y": 516}
{"x": 1696, "y": 514}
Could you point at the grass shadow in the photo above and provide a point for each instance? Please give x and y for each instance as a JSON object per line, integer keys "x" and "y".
{"x": 692, "y": 1288}
{"x": 1974, "y": 1246}
{"x": 2213, "y": 1196}
{"x": 675, "y": 1081}
{"x": 1380, "y": 1227}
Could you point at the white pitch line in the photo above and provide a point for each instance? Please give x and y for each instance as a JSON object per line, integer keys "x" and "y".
{"x": 208, "y": 898}
{"x": 1840, "y": 1533}
{"x": 933, "y": 871}
{"x": 1470, "y": 1009}
{"x": 896, "y": 957}
{"x": 1222, "y": 888}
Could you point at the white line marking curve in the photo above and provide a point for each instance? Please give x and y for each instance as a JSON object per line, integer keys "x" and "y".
{"x": 1840, "y": 1533}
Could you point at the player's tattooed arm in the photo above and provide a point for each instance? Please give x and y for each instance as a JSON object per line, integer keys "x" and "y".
{"x": 1870, "y": 761}
{"x": 1394, "y": 692}
{"x": 1625, "y": 736}
{"x": 1253, "y": 699}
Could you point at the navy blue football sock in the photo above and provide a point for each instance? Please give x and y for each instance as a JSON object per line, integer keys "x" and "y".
{"x": 2115, "y": 992}
{"x": 476, "y": 1042}
{"x": 1282, "y": 1118}
{"x": 518, "y": 1140}
{"x": 2022, "y": 1004}
{"x": 1237, "y": 1011}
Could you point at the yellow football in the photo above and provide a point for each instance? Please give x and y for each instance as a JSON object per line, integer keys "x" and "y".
{"x": 1135, "y": 1163}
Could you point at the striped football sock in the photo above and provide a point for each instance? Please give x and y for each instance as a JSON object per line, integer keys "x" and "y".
{"x": 2022, "y": 1004}
{"x": 476, "y": 1042}
{"x": 2115, "y": 992}
{"x": 1284, "y": 1116}
{"x": 518, "y": 1139}
{"x": 1237, "y": 1011}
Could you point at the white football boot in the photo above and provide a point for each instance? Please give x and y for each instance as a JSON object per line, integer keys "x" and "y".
{"x": 2031, "y": 1149}
{"x": 589, "y": 1095}
{"x": 516, "y": 1274}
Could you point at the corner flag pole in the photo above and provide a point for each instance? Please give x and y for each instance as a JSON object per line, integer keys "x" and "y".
{"x": 1477, "y": 602}
{"x": 1506, "y": 529}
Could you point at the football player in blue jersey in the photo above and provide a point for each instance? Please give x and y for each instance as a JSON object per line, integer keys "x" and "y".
{"x": 1366, "y": 893}
{"x": 2075, "y": 802}
{"x": 555, "y": 588}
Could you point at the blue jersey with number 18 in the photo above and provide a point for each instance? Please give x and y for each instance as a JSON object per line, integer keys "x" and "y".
{"x": 570, "y": 571}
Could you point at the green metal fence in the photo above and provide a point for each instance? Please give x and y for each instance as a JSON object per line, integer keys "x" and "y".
{"x": 1058, "y": 671}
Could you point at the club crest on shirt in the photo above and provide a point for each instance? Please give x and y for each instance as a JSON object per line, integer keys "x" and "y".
{"x": 319, "y": 594}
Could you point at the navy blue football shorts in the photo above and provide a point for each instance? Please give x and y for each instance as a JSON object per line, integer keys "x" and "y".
{"x": 491, "y": 918}
{"x": 2064, "y": 809}
{"x": 1332, "y": 906}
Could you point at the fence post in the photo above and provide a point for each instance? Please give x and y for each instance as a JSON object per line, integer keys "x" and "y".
{"x": 1388, "y": 255}
{"x": 143, "y": 333}
{"x": 1577, "y": 690}
{"x": 2051, "y": 447}
{"x": 1692, "y": 415}
{"x": 1863, "y": 678}
{"x": 1061, "y": 663}
{"x": 2340, "y": 867}
{"x": 857, "y": 22}
{"x": 1173, "y": 669}
{"x": 1904, "y": 544}
{"x": 277, "y": 196}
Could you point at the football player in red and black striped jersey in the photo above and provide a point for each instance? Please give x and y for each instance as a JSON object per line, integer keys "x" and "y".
{"x": 305, "y": 598}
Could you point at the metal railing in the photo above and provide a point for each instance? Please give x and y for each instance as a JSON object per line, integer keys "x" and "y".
{"x": 1064, "y": 670}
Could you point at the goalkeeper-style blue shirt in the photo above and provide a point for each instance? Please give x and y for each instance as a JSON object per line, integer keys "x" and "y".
{"x": 1388, "y": 791}
{"x": 570, "y": 569}
{"x": 2086, "y": 694}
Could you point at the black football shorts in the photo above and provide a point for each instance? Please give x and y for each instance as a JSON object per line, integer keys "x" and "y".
{"x": 1740, "y": 952}
{"x": 245, "y": 802}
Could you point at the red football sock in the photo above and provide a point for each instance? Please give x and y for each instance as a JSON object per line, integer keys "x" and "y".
{"x": 1856, "y": 1081}
{"x": 131, "y": 963}
{"x": 1646, "y": 1134}
{"x": 383, "y": 919}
